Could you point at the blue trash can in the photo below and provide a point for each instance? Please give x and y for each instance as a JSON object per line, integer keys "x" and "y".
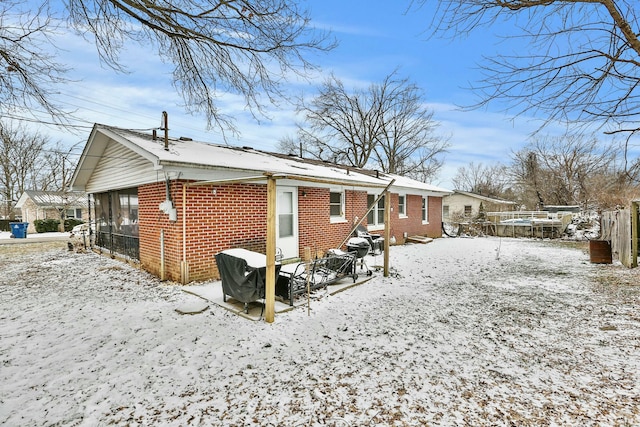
{"x": 19, "y": 229}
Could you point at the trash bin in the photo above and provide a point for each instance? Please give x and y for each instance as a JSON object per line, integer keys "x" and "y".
{"x": 19, "y": 229}
{"x": 600, "y": 252}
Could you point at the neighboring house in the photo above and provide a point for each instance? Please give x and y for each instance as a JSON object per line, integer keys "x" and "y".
{"x": 51, "y": 205}
{"x": 173, "y": 204}
{"x": 467, "y": 205}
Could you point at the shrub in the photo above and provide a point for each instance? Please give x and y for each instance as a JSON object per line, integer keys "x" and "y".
{"x": 71, "y": 222}
{"x": 46, "y": 225}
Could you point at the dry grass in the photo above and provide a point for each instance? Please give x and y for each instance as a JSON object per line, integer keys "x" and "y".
{"x": 17, "y": 249}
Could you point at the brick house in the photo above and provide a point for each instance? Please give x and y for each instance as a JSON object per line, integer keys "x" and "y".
{"x": 57, "y": 205}
{"x": 172, "y": 204}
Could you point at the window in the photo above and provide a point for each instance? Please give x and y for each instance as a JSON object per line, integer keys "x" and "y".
{"x": 285, "y": 214}
{"x": 425, "y": 210}
{"x": 445, "y": 211}
{"x": 376, "y": 215}
{"x": 467, "y": 210}
{"x": 402, "y": 205}
{"x": 336, "y": 204}
{"x": 73, "y": 213}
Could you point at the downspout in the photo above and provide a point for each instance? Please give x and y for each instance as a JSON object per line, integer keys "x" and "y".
{"x": 89, "y": 217}
{"x": 162, "y": 266}
{"x": 184, "y": 267}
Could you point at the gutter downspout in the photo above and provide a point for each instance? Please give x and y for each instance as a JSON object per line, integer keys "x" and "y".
{"x": 184, "y": 267}
{"x": 162, "y": 266}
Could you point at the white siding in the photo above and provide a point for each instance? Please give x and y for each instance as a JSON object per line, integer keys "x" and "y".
{"x": 120, "y": 167}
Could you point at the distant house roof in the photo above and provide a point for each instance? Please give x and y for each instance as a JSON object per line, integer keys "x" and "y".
{"x": 494, "y": 200}
{"x": 561, "y": 208}
{"x": 54, "y": 199}
{"x": 201, "y": 161}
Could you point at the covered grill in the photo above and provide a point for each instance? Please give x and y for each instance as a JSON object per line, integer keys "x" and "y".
{"x": 359, "y": 245}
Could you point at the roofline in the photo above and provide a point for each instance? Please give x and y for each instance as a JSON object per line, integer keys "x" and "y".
{"x": 487, "y": 198}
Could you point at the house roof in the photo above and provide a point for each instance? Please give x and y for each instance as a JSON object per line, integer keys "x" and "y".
{"x": 54, "y": 199}
{"x": 494, "y": 200}
{"x": 192, "y": 159}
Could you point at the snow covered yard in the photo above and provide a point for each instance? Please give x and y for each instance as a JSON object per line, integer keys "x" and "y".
{"x": 475, "y": 332}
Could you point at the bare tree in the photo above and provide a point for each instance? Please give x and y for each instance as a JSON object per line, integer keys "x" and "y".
{"x": 20, "y": 151}
{"x": 57, "y": 165}
{"x": 565, "y": 171}
{"x": 340, "y": 125}
{"x": 239, "y": 46}
{"x": 28, "y": 70}
{"x": 386, "y": 126}
{"x": 407, "y": 143}
{"x": 488, "y": 180}
{"x": 578, "y": 63}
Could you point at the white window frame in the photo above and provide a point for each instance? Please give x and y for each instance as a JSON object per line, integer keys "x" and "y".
{"x": 376, "y": 213}
{"x": 341, "y": 217}
{"x": 402, "y": 207}
{"x": 425, "y": 210}
{"x": 445, "y": 211}
{"x": 77, "y": 213}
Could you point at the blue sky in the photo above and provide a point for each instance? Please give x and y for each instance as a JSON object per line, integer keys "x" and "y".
{"x": 374, "y": 39}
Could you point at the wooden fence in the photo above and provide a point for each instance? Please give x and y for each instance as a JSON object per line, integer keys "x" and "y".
{"x": 620, "y": 227}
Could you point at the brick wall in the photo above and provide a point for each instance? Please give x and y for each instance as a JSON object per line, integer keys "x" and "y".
{"x": 219, "y": 217}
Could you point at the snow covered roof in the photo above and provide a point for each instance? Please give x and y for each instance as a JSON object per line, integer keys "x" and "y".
{"x": 494, "y": 200}
{"x": 53, "y": 199}
{"x": 184, "y": 155}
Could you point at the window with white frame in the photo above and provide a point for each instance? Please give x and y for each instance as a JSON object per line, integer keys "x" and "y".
{"x": 336, "y": 204}
{"x": 445, "y": 211}
{"x": 425, "y": 209}
{"x": 402, "y": 205}
{"x": 74, "y": 213}
{"x": 376, "y": 215}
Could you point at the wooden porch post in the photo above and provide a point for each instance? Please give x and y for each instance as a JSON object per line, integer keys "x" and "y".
{"x": 387, "y": 232}
{"x": 270, "y": 285}
{"x": 635, "y": 233}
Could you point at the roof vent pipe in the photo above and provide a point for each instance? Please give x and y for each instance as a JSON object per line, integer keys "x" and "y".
{"x": 154, "y": 134}
{"x": 165, "y": 127}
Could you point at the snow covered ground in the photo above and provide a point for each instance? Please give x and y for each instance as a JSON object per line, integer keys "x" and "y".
{"x": 476, "y": 332}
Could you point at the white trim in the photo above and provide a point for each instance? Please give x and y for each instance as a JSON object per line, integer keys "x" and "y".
{"x": 342, "y": 216}
{"x": 402, "y": 215}
{"x": 424, "y": 210}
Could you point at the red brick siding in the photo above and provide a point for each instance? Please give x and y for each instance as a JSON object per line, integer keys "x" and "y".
{"x": 315, "y": 228}
{"x": 235, "y": 216}
{"x": 412, "y": 222}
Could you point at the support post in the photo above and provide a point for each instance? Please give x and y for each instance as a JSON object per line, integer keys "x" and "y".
{"x": 387, "y": 231}
{"x": 270, "y": 284}
{"x": 635, "y": 233}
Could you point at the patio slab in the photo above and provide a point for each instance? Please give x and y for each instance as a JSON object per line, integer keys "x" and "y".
{"x": 212, "y": 292}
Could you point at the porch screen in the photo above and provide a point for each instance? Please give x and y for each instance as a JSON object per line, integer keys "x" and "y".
{"x": 116, "y": 214}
